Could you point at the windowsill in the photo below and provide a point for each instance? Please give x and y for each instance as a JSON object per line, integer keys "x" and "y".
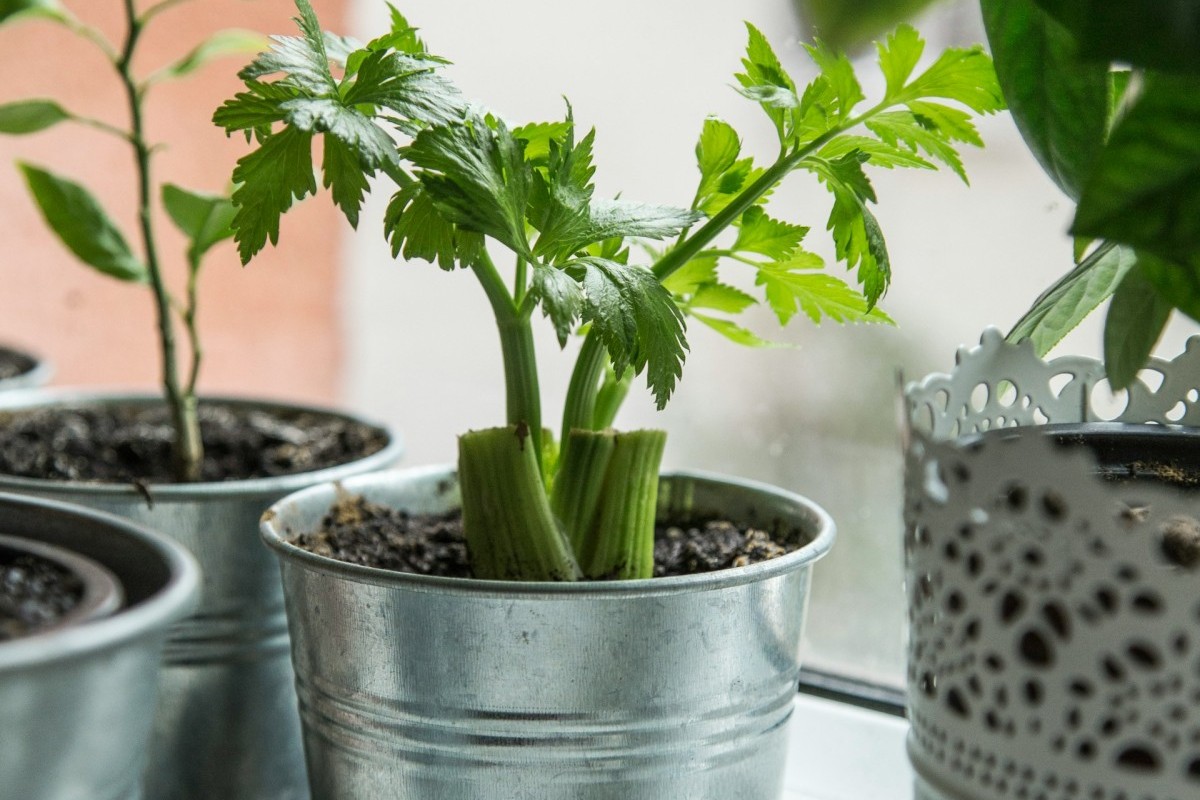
{"x": 841, "y": 752}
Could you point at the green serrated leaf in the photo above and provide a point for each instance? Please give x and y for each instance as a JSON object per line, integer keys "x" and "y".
{"x": 857, "y": 237}
{"x": 205, "y": 219}
{"x": 1135, "y": 321}
{"x": 636, "y": 319}
{"x": 302, "y": 60}
{"x": 964, "y": 75}
{"x": 733, "y": 332}
{"x": 31, "y": 116}
{"x": 716, "y": 153}
{"x": 477, "y": 177}
{"x": 919, "y": 134}
{"x": 1065, "y": 304}
{"x": 267, "y": 181}
{"x": 759, "y": 233}
{"x": 692, "y": 275}
{"x": 561, "y": 298}
{"x": 224, "y": 43}
{"x": 879, "y": 153}
{"x": 836, "y": 68}
{"x": 819, "y": 295}
{"x": 720, "y": 297}
{"x": 898, "y": 57}
{"x": 537, "y": 137}
{"x": 1144, "y": 188}
{"x": 409, "y": 85}
{"x": 345, "y": 174}
{"x": 255, "y": 110}
{"x": 79, "y": 221}
{"x": 1058, "y": 102}
{"x": 417, "y": 229}
{"x": 766, "y": 82}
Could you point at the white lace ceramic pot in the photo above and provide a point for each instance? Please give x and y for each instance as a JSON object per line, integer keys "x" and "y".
{"x": 1053, "y": 579}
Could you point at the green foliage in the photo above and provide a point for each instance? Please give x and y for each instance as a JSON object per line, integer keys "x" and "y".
{"x": 1161, "y": 35}
{"x": 78, "y": 220}
{"x": 1060, "y": 103}
{"x": 1136, "y": 318}
{"x": 14, "y": 10}
{"x": 31, "y": 116}
{"x": 1078, "y": 293}
{"x": 81, "y": 224}
{"x": 466, "y": 178}
{"x": 224, "y": 43}
{"x": 388, "y": 75}
{"x": 205, "y": 219}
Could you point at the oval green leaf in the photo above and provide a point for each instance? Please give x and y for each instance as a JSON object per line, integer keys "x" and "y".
{"x": 31, "y": 116}
{"x": 82, "y": 225}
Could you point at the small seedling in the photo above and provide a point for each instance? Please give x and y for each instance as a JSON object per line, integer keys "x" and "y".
{"x": 88, "y": 231}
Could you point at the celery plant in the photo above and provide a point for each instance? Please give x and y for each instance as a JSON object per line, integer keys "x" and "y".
{"x": 470, "y": 184}
{"x": 80, "y": 222}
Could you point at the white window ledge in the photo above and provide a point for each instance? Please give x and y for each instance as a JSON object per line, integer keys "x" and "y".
{"x": 841, "y": 752}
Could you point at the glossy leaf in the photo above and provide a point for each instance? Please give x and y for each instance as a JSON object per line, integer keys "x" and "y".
{"x": 1159, "y": 35}
{"x": 1135, "y": 321}
{"x": 75, "y": 215}
{"x": 1059, "y": 103}
{"x": 1144, "y": 189}
{"x": 205, "y": 219}
{"x": 31, "y": 116}
{"x": 1065, "y": 304}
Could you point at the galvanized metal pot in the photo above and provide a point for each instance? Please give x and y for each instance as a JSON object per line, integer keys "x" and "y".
{"x": 76, "y": 702}
{"x": 452, "y": 689}
{"x": 227, "y": 727}
{"x": 37, "y": 372}
{"x": 1053, "y": 650}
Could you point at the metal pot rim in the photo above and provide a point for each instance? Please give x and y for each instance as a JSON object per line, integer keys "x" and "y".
{"x": 39, "y": 374}
{"x": 102, "y": 591}
{"x": 174, "y": 599}
{"x": 184, "y": 492}
{"x": 822, "y": 541}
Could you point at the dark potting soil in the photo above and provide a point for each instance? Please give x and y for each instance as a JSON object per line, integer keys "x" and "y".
{"x": 360, "y": 532}
{"x": 34, "y": 594}
{"x": 13, "y": 363}
{"x": 112, "y": 443}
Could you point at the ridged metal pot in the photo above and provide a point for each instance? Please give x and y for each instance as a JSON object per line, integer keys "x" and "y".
{"x": 1052, "y": 547}
{"x": 37, "y": 372}
{"x": 452, "y": 689}
{"x": 75, "y": 702}
{"x": 227, "y": 727}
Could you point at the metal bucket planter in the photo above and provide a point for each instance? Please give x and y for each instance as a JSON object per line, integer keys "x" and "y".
{"x": 35, "y": 371}
{"x": 666, "y": 689}
{"x": 75, "y": 702}
{"x": 1054, "y": 652}
{"x": 227, "y": 727}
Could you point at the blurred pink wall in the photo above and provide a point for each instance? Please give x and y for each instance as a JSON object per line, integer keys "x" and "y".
{"x": 270, "y": 329}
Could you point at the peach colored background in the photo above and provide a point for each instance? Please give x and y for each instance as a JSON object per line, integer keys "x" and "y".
{"x": 270, "y": 329}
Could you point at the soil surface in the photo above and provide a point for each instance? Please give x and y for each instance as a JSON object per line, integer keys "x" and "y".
{"x": 13, "y": 363}
{"x": 367, "y": 534}
{"x": 34, "y": 593}
{"x": 122, "y": 444}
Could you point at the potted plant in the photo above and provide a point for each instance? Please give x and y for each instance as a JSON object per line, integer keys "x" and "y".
{"x": 85, "y": 603}
{"x": 200, "y": 471}
{"x": 22, "y": 370}
{"x": 521, "y": 666}
{"x": 1051, "y": 539}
